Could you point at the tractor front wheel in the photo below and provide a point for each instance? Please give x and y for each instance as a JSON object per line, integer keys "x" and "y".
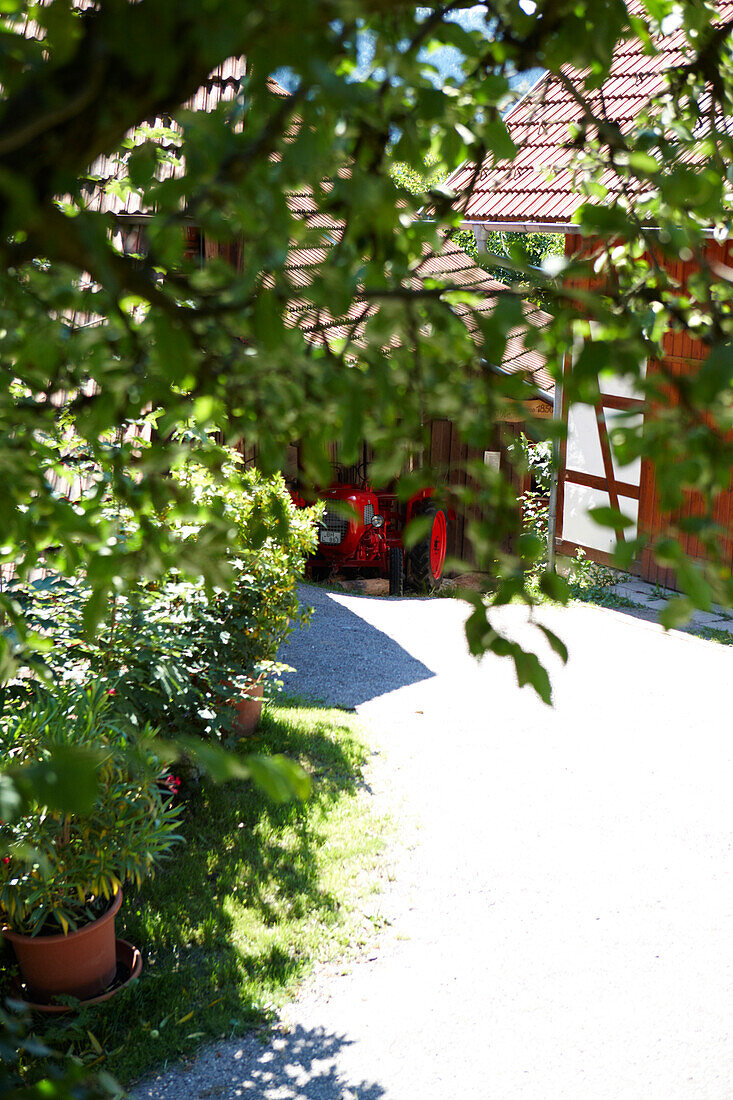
{"x": 428, "y": 555}
{"x": 396, "y": 571}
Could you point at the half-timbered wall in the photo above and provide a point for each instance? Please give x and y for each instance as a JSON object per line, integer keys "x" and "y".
{"x": 590, "y": 474}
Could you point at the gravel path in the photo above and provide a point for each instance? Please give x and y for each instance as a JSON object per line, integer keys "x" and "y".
{"x": 561, "y": 909}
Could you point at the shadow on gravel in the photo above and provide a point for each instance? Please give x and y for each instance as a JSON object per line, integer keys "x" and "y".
{"x": 299, "y": 1064}
{"x": 341, "y": 660}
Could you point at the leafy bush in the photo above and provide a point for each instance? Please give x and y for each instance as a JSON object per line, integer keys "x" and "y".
{"x": 141, "y": 651}
{"x": 61, "y": 868}
{"x": 175, "y": 651}
{"x": 539, "y": 460}
{"x": 242, "y": 628}
{"x": 535, "y": 520}
{"x": 535, "y": 502}
{"x": 64, "y": 1078}
{"x": 588, "y": 580}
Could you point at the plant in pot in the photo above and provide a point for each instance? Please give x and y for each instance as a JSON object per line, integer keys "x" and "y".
{"x": 61, "y": 874}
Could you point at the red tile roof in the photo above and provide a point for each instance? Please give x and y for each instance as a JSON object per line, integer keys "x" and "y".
{"x": 222, "y": 86}
{"x": 538, "y": 186}
{"x": 456, "y": 268}
{"x": 451, "y": 266}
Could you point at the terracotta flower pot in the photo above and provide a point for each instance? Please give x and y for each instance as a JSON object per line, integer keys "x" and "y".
{"x": 248, "y": 711}
{"x": 129, "y": 967}
{"x": 80, "y": 964}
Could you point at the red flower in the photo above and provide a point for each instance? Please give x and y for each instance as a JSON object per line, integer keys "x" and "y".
{"x": 6, "y": 859}
{"x": 111, "y": 691}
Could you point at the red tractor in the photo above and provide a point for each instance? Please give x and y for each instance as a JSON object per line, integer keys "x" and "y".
{"x": 364, "y": 531}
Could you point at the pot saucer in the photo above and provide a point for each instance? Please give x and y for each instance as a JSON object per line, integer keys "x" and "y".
{"x": 129, "y": 965}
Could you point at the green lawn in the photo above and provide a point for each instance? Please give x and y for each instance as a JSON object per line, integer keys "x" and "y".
{"x": 257, "y": 895}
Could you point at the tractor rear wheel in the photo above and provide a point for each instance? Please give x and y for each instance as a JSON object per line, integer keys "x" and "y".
{"x": 428, "y": 555}
{"x": 396, "y": 571}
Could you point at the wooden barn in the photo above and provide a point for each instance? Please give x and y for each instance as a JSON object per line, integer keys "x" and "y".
{"x": 448, "y": 453}
{"x": 536, "y": 193}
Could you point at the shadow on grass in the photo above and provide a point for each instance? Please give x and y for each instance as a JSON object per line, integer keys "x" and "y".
{"x": 299, "y": 1064}
{"x": 237, "y": 915}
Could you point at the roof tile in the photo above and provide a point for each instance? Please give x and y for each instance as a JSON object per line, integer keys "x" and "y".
{"x": 539, "y": 125}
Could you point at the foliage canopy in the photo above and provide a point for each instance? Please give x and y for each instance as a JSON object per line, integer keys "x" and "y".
{"x": 215, "y": 344}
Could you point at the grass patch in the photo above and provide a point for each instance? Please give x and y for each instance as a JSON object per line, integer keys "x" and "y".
{"x": 713, "y": 634}
{"x": 258, "y": 894}
{"x": 604, "y": 599}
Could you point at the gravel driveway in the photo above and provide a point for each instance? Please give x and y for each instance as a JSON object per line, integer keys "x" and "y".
{"x": 561, "y": 913}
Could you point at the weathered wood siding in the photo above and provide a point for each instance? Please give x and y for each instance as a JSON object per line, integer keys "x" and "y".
{"x": 449, "y": 456}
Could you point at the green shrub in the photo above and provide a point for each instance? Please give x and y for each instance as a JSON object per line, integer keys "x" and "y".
{"x": 588, "y": 580}
{"x": 535, "y": 502}
{"x": 174, "y": 650}
{"x": 241, "y": 629}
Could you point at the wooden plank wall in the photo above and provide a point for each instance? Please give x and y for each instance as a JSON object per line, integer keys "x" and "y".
{"x": 449, "y": 455}
{"x": 682, "y": 355}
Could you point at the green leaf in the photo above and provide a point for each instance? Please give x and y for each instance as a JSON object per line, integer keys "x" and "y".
{"x": 676, "y": 613}
{"x": 11, "y": 799}
{"x": 531, "y": 672}
{"x": 530, "y": 547}
{"x": 668, "y": 552}
{"x": 556, "y": 643}
{"x": 66, "y": 781}
{"x": 94, "y": 611}
{"x": 605, "y": 221}
{"x": 478, "y": 629}
{"x": 610, "y": 517}
{"x": 555, "y": 587}
{"x": 418, "y": 528}
{"x": 219, "y": 765}
{"x": 498, "y": 140}
{"x": 141, "y": 164}
{"x": 595, "y": 356}
{"x": 643, "y": 163}
{"x": 691, "y": 580}
{"x": 280, "y": 778}
{"x": 626, "y": 552}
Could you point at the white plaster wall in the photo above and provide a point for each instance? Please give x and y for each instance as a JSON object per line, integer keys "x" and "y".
{"x": 631, "y": 471}
{"x": 577, "y": 525}
{"x": 583, "y": 447}
{"x": 616, "y": 385}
